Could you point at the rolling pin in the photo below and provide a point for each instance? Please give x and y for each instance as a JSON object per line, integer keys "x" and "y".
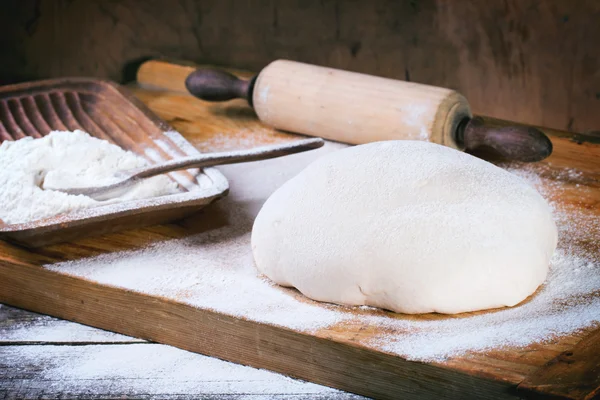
{"x": 357, "y": 108}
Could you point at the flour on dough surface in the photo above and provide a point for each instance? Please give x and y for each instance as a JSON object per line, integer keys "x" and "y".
{"x": 407, "y": 226}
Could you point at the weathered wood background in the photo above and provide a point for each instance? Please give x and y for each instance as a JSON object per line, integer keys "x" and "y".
{"x": 524, "y": 60}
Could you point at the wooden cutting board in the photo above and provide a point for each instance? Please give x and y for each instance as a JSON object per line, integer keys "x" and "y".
{"x": 339, "y": 354}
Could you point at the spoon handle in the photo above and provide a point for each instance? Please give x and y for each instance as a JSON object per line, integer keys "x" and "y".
{"x": 229, "y": 157}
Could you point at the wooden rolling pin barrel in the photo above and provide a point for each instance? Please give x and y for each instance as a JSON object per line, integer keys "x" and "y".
{"x": 357, "y": 108}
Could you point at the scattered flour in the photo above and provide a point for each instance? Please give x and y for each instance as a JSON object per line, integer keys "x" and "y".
{"x": 416, "y": 116}
{"x": 215, "y": 270}
{"x": 71, "y": 159}
{"x": 54, "y": 330}
{"x": 557, "y": 309}
{"x": 148, "y": 369}
{"x": 117, "y": 365}
{"x": 240, "y": 139}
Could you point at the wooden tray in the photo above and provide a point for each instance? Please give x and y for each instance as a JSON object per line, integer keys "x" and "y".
{"x": 107, "y": 111}
{"x": 344, "y": 355}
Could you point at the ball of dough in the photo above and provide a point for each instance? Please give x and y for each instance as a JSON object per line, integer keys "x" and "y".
{"x": 407, "y": 226}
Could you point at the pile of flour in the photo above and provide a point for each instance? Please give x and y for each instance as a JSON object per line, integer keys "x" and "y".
{"x": 71, "y": 159}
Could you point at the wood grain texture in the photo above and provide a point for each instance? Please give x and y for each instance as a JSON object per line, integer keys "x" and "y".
{"x": 107, "y": 111}
{"x": 151, "y": 73}
{"x": 170, "y": 75}
{"x": 19, "y": 327}
{"x": 348, "y": 107}
{"x": 26, "y": 367}
{"x": 521, "y": 60}
{"x": 574, "y": 374}
{"x": 355, "y": 108}
{"x": 317, "y": 358}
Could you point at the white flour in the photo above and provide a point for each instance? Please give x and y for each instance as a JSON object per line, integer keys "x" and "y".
{"x": 48, "y": 329}
{"x": 147, "y": 370}
{"x": 215, "y": 270}
{"x": 239, "y": 139}
{"x": 416, "y": 116}
{"x": 71, "y": 159}
{"x": 114, "y": 366}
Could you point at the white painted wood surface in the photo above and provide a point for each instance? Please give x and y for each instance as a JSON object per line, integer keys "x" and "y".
{"x": 44, "y": 357}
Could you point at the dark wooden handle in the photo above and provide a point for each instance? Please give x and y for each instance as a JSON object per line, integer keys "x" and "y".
{"x": 218, "y": 85}
{"x": 519, "y": 143}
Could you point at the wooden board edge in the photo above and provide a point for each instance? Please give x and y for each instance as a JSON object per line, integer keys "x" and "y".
{"x": 573, "y": 374}
{"x": 338, "y": 365}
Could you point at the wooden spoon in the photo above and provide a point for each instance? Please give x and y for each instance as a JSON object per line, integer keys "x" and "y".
{"x": 124, "y": 179}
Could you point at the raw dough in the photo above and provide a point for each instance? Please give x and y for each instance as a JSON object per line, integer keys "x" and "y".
{"x": 408, "y": 226}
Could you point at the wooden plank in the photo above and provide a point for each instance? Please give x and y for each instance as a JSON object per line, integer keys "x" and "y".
{"x": 20, "y": 327}
{"x": 574, "y": 374}
{"x": 335, "y": 356}
{"x": 241, "y": 341}
{"x": 141, "y": 371}
{"x": 54, "y": 360}
{"x": 525, "y": 60}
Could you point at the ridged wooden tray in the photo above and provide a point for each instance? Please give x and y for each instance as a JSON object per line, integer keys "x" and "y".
{"x": 107, "y": 111}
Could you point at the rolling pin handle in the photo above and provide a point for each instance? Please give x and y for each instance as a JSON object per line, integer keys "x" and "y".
{"x": 218, "y": 85}
{"x": 518, "y": 143}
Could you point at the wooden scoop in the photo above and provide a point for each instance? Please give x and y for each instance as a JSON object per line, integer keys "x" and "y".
{"x": 123, "y": 180}
{"x": 357, "y": 108}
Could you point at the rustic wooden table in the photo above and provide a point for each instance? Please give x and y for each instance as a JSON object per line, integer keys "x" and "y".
{"x": 41, "y": 357}
{"x": 340, "y": 355}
